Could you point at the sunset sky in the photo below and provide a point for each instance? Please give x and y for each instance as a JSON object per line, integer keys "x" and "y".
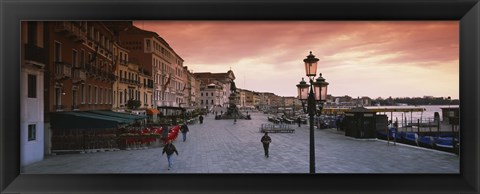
{"x": 375, "y": 59}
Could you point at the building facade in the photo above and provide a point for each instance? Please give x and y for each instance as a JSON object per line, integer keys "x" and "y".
{"x": 79, "y": 74}
{"x": 152, "y": 53}
{"x": 121, "y": 84}
{"x": 33, "y": 61}
{"x": 215, "y": 88}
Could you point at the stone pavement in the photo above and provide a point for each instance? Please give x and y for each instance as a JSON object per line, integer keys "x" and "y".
{"x": 219, "y": 146}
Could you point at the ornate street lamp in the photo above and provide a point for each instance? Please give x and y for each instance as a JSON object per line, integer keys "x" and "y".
{"x": 312, "y": 94}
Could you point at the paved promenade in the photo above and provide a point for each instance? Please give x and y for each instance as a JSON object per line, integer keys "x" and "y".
{"x": 219, "y": 146}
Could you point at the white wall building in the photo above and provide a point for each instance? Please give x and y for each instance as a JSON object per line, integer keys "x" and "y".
{"x": 33, "y": 59}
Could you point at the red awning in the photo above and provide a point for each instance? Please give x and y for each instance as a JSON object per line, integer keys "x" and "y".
{"x": 151, "y": 111}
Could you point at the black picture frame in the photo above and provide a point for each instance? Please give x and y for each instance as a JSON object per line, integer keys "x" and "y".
{"x": 465, "y": 11}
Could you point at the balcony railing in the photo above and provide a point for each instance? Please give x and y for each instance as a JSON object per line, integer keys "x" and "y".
{"x": 62, "y": 70}
{"x": 129, "y": 81}
{"x": 123, "y": 62}
{"x": 35, "y": 53}
{"x": 79, "y": 75}
{"x": 74, "y": 31}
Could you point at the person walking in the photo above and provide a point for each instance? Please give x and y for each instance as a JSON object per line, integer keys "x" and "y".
{"x": 169, "y": 149}
{"x": 184, "y": 130}
{"x": 266, "y": 140}
{"x": 165, "y": 130}
{"x": 299, "y": 121}
{"x": 337, "y": 123}
{"x": 200, "y": 118}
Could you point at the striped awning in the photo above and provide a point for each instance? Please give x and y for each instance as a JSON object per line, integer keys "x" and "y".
{"x": 88, "y": 120}
{"x": 152, "y": 111}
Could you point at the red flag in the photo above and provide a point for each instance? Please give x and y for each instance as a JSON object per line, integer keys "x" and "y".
{"x": 166, "y": 83}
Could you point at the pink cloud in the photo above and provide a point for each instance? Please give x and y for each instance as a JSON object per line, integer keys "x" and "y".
{"x": 280, "y": 46}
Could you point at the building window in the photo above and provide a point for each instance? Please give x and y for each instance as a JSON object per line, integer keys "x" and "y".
{"x": 145, "y": 98}
{"x": 92, "y": 33}
{"x": 74, "y": 99}
{"x": 201, "y": 101}
{"x": 95, "y": 94}
{"x": 148, "y": 45}
{"x": 125, "y": 93}
{"x": 89, "y": 94}
{"x": 57, "y": 52}
{"x": 32, "y": 32}
{"x": 58, "y": 97}
{"x": 74, "y": 58}
{"x": 32, "y": 132}
{"x": 82, "y": 58}
{"x": 121, "y": 97}
{"x": 32, "y": 86}
{"x": 206, "y": 94}
{"x": 82, "y": 93}
{"x": 102, "y": 40}
{"x": 101, "y": 95}
{"x": 212, "y": 101}
{"x": 212, "y": 93}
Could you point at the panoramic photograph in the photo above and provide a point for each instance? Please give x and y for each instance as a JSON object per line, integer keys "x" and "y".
{"x": 161, "y": 97}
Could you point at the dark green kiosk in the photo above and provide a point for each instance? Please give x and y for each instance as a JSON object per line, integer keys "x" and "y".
{"x": 360, "y": 123}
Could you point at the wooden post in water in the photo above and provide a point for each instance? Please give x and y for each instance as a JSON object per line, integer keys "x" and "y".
{"x": 418, "y": 127}
{"x": 453, "y": 137}
{"x": 388, "y": 136}
{"x": 396, "y": 130}
{"x": 438, "y": 126}
{"x": 430, "y": 127}
{"x": 411, "y": 118}
{"x": 391, "y": 116}
{"x": 403, "y": 124}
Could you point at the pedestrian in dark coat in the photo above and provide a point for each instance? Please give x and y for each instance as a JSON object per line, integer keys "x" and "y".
{"x": 299, "y": 121}
{"x": 169, "y": 149}
{"x": 337, "y": 123}
{"x": 184, "y": 130}
{"x": 266, "y": 140}
{"x": 165, "y": 129}
{"x": 200, "y": 118}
